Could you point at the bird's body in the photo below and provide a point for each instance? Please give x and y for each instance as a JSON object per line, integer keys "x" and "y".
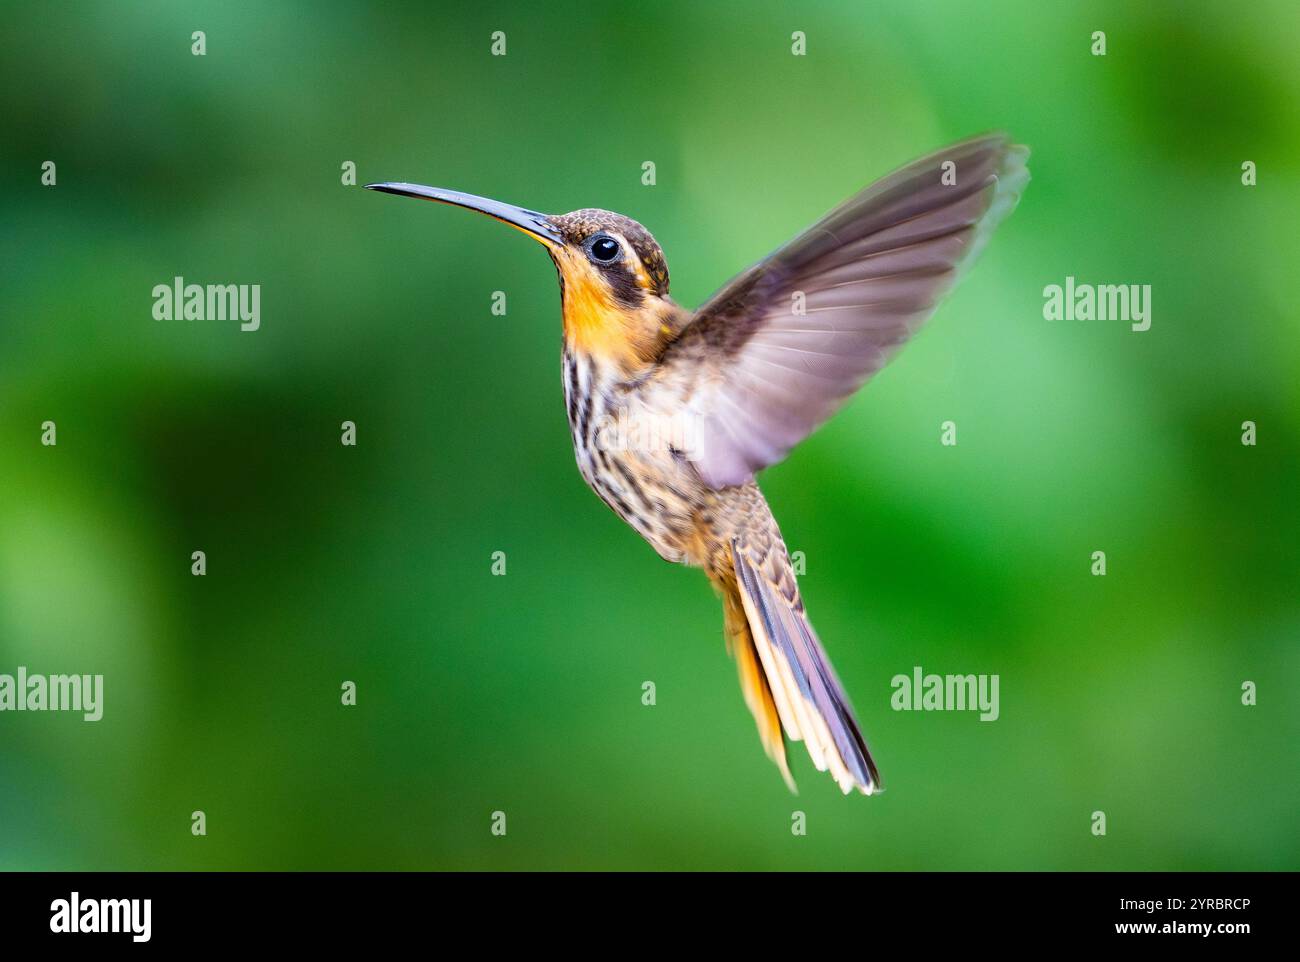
{"x": 631, "y": 440}
{"x": 672, "y": 411}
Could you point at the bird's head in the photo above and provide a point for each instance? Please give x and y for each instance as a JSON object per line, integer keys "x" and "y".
{"x": 613, "y": 276}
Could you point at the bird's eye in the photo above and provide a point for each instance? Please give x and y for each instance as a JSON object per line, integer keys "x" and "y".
{"x": 604, "y": 249}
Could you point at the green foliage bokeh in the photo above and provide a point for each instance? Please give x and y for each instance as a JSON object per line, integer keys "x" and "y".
{"x": 522, "y": 693}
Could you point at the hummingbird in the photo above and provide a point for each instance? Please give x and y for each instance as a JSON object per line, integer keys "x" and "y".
{"x": 673, "y": 411}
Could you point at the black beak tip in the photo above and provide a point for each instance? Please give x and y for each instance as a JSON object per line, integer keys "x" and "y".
{"x": 529, "y": 221}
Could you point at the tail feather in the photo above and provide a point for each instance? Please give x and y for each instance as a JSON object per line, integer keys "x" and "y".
{"x": 805, "y": 692}
{"x": 753, "y": 679}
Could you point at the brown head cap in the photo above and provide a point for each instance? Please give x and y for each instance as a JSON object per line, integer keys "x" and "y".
{"x": 578, "y": 225}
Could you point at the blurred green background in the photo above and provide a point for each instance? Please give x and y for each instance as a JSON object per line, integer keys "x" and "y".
{"x": 522, "y": 693}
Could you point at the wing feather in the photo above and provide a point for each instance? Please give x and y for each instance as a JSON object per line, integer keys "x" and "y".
{"x": 780, "y": 348}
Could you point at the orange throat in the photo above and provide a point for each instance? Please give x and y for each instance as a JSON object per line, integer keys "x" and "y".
{"x": 597, "y": 325}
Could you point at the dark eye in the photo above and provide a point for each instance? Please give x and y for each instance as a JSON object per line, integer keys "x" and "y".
{"x": 604, "y": 249}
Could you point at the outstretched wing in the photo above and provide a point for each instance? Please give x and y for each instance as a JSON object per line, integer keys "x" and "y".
{"x": 779, "y": 349}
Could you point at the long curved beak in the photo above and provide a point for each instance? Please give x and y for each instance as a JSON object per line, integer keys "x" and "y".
{"x": 530, "y": 222}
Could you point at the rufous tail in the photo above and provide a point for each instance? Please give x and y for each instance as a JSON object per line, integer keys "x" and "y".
{"x": 787, "y": 680}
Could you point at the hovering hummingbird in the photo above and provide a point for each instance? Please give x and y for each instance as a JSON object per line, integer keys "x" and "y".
{"x": 715, "y": 395}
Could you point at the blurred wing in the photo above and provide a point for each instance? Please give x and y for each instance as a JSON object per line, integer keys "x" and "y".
{"x": 779, "y": 349}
